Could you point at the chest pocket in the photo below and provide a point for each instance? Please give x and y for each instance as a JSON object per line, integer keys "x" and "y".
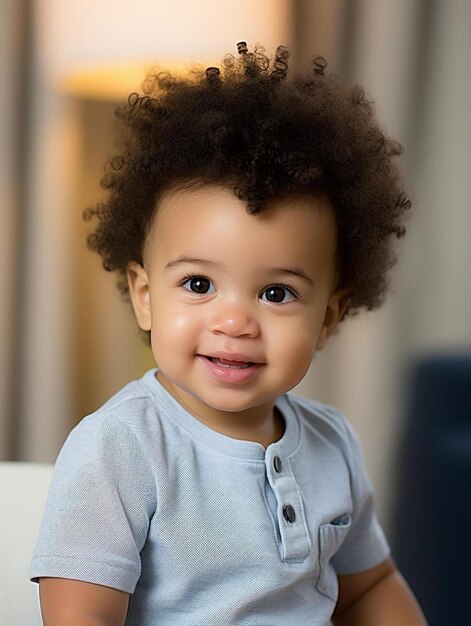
{"x": 331, "y": 537}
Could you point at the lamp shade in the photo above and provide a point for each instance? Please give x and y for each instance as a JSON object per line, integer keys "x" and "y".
{"x": 102, "y": 48}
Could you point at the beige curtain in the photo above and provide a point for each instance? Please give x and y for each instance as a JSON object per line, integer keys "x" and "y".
{"x": 11, "y": 64}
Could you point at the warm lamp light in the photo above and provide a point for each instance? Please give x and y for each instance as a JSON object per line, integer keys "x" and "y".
{"x": 103, "y": 48}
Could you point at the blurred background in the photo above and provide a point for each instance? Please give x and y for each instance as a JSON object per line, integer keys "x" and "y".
{"x": 67, "y": 341}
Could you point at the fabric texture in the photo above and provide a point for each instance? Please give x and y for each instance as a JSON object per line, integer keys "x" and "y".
{"x": 203, "y": 529}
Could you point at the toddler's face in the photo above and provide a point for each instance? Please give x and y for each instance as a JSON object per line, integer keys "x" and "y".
{"x": 237, "y": 304}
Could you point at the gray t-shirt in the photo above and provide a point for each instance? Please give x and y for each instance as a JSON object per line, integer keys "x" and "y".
{"x": 203, "y": 529}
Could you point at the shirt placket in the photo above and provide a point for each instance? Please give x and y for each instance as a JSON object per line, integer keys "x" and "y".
{"x": 290, "y": 517}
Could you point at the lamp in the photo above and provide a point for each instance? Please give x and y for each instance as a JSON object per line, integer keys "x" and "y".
{"x": 102, "y": 48}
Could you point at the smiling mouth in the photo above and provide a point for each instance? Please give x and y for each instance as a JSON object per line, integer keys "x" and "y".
{"x": 228, "y": 363}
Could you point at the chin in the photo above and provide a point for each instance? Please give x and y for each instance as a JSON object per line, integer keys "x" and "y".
{"x": 225, "y": 405}
{"x": 236, "y": 404}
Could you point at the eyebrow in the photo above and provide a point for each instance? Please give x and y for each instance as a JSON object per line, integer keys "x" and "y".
{"x": 294, "y": 272}
{"x": 291, "y": 271}
{"x": 187, "y": 259}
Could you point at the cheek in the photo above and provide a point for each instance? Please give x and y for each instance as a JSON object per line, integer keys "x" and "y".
{"x": 291, "y": 358}
{"x": 173, "y": 326}
{"x": 166, "y": 312}
{"x": 294, "y": 342}
{"x": 298, "y": 354}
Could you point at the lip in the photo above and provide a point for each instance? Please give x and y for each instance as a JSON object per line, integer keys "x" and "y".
{"x": 232, "y": 356}
{"x": 230, "y": 374}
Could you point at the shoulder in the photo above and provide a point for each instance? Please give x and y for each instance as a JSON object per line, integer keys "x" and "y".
{"x": 106, "y": 450}
{"x": 121, "y": 425}
{"x": 131, "y": 407}
{"x": 327, "y": 426}
{"x": 321, "y": 418}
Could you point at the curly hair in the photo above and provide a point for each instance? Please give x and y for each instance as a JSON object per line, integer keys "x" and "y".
{"x": 264, "y": 131}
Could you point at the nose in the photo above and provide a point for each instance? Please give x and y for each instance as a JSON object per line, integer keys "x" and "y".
{"x": 234, "y": 320}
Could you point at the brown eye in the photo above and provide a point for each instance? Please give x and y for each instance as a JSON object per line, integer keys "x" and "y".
{"x": 278, "y": 294}
{"x": 198, "y": 284}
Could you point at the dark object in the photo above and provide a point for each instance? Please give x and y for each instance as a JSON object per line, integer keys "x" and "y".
{"x": 212, "y": 72}
{"x": 320, "y": 65}
{"x": 242, "y": 47}
{"x": 277, "y": 464}
{"x": 288, "y": 513}
{"x": 432, "y": 539}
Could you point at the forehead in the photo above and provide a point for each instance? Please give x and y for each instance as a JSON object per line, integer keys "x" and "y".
{"x": 211, "y": 220}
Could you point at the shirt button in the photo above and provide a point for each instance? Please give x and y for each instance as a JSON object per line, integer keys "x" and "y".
{"x": 288, "y": 513}
{"x": 277, "y": 464}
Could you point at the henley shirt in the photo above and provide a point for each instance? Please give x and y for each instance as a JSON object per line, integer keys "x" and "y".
{"x": 203, "y": 529}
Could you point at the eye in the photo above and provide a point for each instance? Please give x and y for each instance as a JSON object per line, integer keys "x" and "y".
{"x": 279, "y": 294}
{"x": 198, "y": 284}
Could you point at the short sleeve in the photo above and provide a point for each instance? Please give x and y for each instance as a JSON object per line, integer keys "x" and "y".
{"x": 99, "y": 507}
{"x": 365, "y": 544}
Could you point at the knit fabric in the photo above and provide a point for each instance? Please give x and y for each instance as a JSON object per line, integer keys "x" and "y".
{"x": 203, "y": 529}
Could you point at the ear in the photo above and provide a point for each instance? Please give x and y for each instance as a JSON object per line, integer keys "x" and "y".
{"x": 138, "y": 283}
{"x": 336, "y": 307}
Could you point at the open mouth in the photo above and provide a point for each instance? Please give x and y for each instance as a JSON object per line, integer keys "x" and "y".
{"x": 227, "y": 363}
{"x": 237, "y": 370}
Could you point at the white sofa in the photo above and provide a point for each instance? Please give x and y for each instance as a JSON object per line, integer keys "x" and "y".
{"x": 23, "y": 492}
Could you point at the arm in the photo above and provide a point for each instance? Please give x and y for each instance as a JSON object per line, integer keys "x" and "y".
{"x": 378, "y": 597}
{"x": 76, "y": 603}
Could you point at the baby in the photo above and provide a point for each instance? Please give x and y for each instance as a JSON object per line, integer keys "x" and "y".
{"x": 248, "y": 214}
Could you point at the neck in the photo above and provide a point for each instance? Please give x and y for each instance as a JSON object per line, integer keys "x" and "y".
{"x": 263, "y": 424}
